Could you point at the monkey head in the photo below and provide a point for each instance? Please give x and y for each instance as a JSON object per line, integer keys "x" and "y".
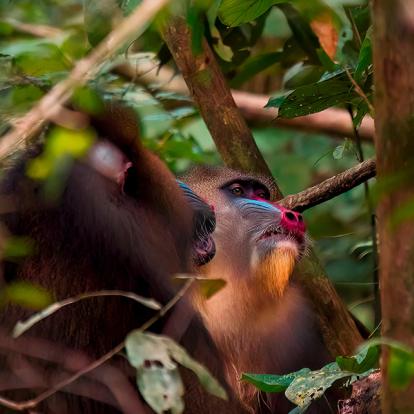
{"x": 255, "y": 238}
{"x": 112, "y": 163}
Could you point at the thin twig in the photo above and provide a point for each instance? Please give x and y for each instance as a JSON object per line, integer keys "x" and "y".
{"x": 330, "y": 188}
{"x": 359, "y": 91}
{"x": 38, "y": 30}
{"x": 85, "y": 69}
{"x": 32, "y": 403}
{"x": 373, "y": 225}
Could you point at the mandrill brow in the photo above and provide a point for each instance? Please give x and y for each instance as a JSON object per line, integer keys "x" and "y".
{"x": 261, "y": 320}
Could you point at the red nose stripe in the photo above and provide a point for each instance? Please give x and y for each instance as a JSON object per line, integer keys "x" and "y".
{"x": 291, "y": 220}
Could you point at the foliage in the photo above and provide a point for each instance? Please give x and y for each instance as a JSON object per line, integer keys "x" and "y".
{"x": 158, "y": 376}
{"x": 309, "y": 55}
{"x": 305, "y": 386}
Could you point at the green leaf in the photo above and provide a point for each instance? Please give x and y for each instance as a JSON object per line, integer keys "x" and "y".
{"x": 196, "y": 23}
{"x": 362, "y": 109}
{"x": 26, "y": 295}
{"x": 207, "y": 287}
{"x": 365, "y": 58}
{"x": 88, "y": 100}
{"x": 209, "y": 383}
{"x": 225, "y": 52}
{"x": 400, "y": 363}
{"x": 339, "y": 152}
{"x": 253, "y": 65}
{"x": 41, "y": 59}
{"x": 128, "y": 6}
{"x": 235, "y": 12}
{"x": 273, "y": 383}
{"x": 365, "y": 360}
{"x": 99, "y": 16}
{"x": 400, "y": 368}
{"x": 277, "y": 101}
{"x": 302, "y": 32}
{"x": 303, "y": 75}
{"x": 316, "y": 97}
{"x": 60, "y": 143}
{"x": 158, "y": 377}
{"x": 17, "y": 248}
{"x": 312, "y": 385}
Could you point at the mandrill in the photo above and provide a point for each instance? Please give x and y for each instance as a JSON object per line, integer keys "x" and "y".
{"x": 261, "y": 320}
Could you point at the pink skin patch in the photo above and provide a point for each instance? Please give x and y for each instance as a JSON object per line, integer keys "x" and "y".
{"x": 292, "y": 221}
{"x": 109, "y": 161}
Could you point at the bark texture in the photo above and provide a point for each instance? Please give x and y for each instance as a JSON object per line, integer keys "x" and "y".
{"x": 330, "y": 188}
{"x": 394, "y": 122}
{"x": 211, "y": 94}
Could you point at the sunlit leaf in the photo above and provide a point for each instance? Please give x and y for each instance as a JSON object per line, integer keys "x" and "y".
{"x": 26, "y": 295}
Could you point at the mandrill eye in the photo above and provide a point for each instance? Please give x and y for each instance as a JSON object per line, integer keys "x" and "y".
{"x": 237, "y": 190}
{"x": 261, "y": 194}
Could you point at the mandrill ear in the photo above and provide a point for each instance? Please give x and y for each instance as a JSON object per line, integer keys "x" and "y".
{"x": 204, "y": 225}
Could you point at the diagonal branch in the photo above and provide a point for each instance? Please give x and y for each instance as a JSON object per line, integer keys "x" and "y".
{"x": 27, "y": 126}
{"x": 332, "y": 187}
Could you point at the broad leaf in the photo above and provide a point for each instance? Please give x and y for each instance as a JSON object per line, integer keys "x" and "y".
{"x": 254, "y": 65}
{"x": 365, "y": 58}
{"x": 313, "y": 98}
{"x": 312, "y": 385}
{"x": 365, "y": 360}
{"x": 235, "y": 12}
{"x": 158, "y": 377}
{"x": 273, "y": 383}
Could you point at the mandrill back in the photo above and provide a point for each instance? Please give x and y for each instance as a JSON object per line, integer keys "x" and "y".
{"x": 121, "y": 223}
{"x": 261, "y": 320}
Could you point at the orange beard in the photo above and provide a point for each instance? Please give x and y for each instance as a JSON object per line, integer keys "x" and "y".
{"x": 275, "y": 270}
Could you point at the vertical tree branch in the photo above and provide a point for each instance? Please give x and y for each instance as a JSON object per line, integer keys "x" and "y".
{"x": 211, "y": 94}
{"x": 238, "y": 150}
{"x": 393, "y": 48}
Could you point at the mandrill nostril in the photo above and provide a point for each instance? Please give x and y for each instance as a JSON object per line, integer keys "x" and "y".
{"x": 290, "y": 216}
{"x": 300, "y": 218}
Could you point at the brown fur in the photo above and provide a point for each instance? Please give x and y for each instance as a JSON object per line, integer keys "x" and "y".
{"x": 97, "y": 238}
{"x": 261, "y": 320}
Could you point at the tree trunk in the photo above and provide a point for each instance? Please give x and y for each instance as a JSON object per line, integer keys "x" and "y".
{"x": 236, "y": 146}
{"x": 394, "y": 122}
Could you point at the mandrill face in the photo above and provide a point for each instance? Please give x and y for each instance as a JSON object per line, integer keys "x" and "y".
{"x": 267, "y": 239}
